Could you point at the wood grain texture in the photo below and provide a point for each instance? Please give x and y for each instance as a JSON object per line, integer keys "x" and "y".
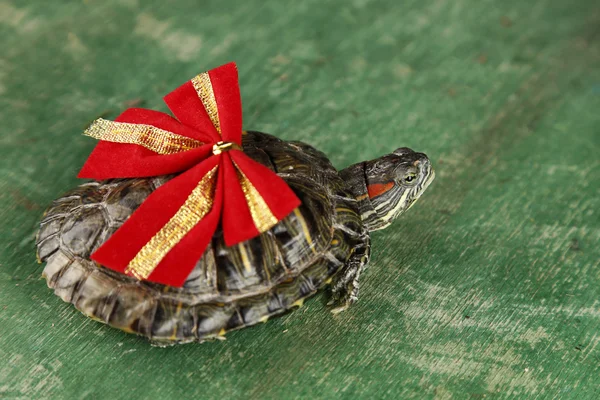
{"x": 488, "y": 288}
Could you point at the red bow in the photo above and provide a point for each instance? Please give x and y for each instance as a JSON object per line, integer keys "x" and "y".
{"x": 165, "y": 237}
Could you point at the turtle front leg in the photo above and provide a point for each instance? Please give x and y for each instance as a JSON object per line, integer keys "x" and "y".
{"x": 344, "y": 286}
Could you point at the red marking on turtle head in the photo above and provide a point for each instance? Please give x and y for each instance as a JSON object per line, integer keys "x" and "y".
{"x": 377, "y": 189}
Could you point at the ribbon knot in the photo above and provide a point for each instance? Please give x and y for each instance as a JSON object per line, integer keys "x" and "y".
{"x": 220, "y": 147}
{"x": 165, "y": 237}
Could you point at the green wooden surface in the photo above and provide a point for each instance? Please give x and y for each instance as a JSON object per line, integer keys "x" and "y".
{"x": 489, "y": 287}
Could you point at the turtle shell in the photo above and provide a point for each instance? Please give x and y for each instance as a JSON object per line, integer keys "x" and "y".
{"x": 230, "y": 287}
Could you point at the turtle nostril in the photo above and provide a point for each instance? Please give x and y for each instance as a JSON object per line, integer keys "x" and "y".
{"x": 422, "y": 161}
{"x": 423, "y": 164}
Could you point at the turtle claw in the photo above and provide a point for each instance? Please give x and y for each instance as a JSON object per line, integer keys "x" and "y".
{"x": 341, "y": 305}
{"x": 344, "y": 297}
{"x": 339, "y": 309}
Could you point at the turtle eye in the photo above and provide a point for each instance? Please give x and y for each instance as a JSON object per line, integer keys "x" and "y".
{"x": 409, "y": 178}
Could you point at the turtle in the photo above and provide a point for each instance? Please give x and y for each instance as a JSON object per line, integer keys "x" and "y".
{"x": 324, "y": 243}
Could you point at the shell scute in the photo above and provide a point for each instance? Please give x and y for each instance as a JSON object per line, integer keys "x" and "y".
{"x": 126, "y": 197}
{"x": 81, "y": 232}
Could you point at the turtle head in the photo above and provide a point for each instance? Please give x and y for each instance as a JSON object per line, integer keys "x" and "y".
{"x": 393, "y": 183}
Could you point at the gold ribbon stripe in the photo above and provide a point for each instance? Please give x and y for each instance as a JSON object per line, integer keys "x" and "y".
{"x": 261, "y": 214}
{"x": 196, "y": 206}
{"x": 151, "y": 137}
{"x": 205, "y": 91}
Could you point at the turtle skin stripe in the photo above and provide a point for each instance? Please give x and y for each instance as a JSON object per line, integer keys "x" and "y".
{"x": 230, "y": 287}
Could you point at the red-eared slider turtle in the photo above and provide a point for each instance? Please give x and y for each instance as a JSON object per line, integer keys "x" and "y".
{"x": 324, "y": 241}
